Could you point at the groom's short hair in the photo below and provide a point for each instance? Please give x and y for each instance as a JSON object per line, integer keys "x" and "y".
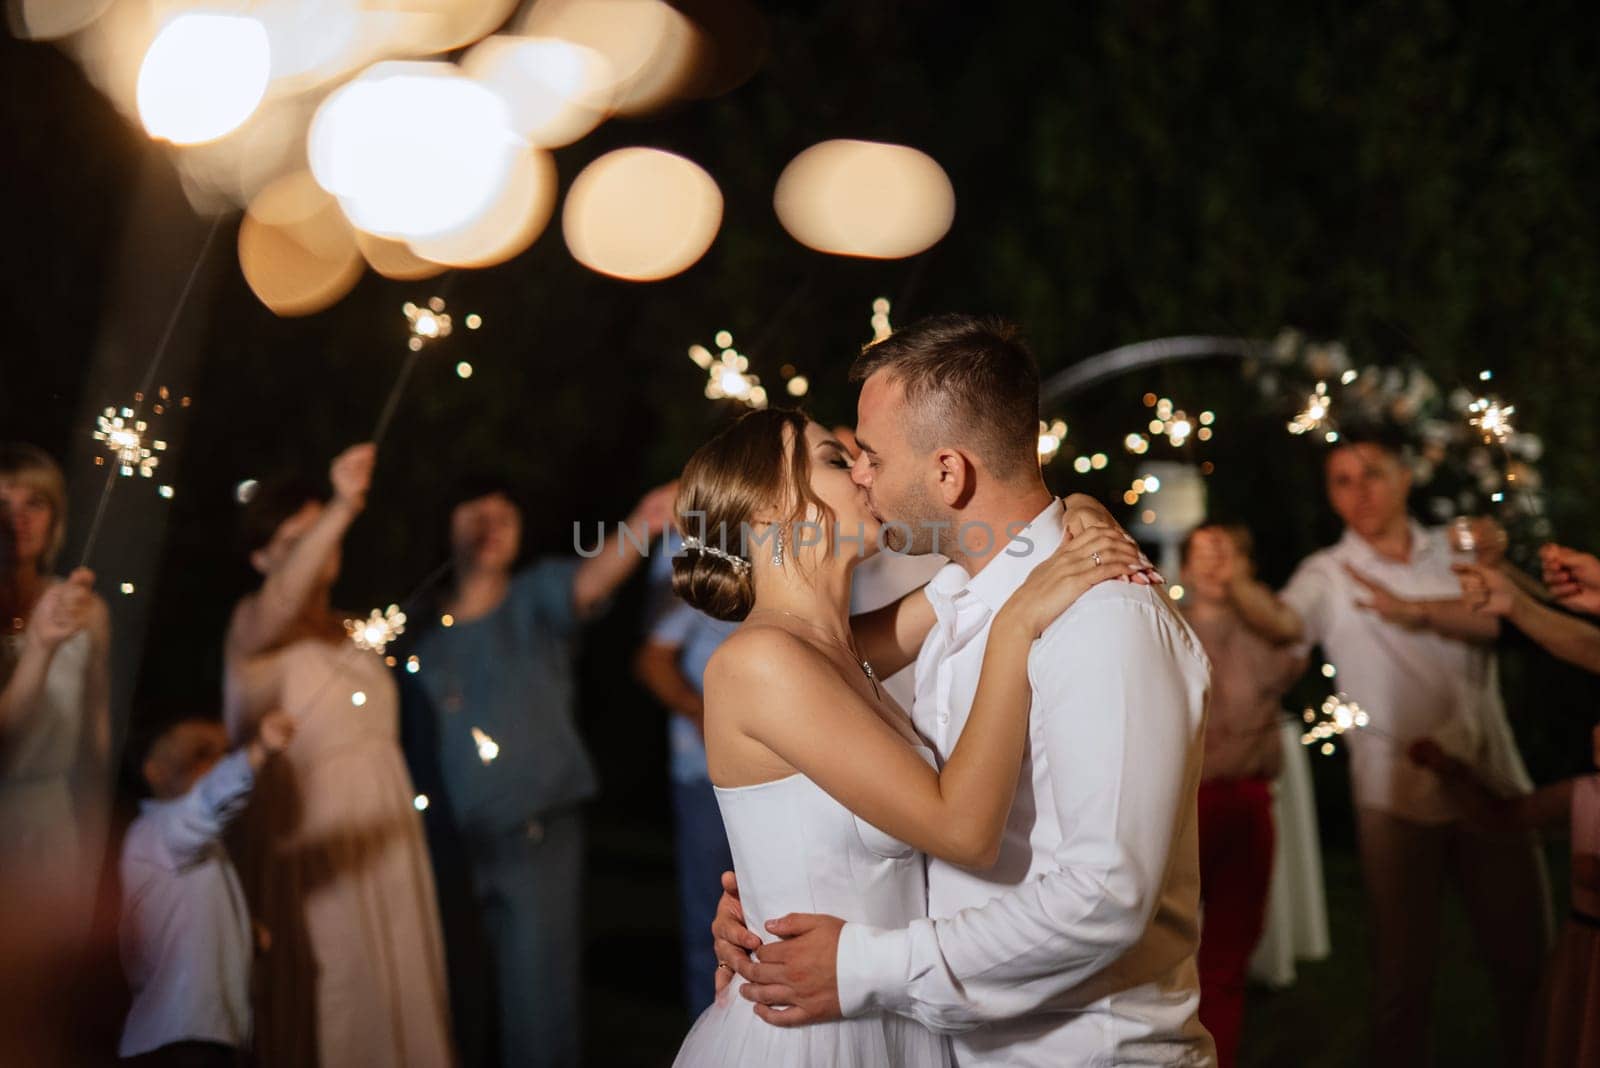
{"x": 968, "y": 381}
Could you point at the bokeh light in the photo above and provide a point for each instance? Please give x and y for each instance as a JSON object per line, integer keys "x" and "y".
{"x": 46, "y": 20}
{"x": 641, "y": 214}
{"x": 413, "y": 149}
{"x": 556, "y": 91}
{"x": 394, "y": 259}
{"x": 507, "y": 225}
{"x": 296, "y": 249}
{"x": 864, "y": 198}
{"x": 202, "y": 77}
{"x": 652, "y": 50}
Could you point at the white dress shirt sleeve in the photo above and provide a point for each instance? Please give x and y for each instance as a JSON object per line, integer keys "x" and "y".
{"x": 1310, "y": 594}
{"x": 189, "y": 825}
{"x": 1118, "y": 698}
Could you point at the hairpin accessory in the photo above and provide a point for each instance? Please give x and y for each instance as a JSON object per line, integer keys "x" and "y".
{"x": 740, "y": 564}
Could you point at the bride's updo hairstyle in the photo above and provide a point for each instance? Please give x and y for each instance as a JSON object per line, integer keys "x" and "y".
{"x": 743, "y": 473}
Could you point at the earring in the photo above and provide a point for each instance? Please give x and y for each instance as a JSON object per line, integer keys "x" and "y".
{"x": 777, "y": 548}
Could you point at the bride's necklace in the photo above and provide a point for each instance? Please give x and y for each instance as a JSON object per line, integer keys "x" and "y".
{"x": 866, "y": 666}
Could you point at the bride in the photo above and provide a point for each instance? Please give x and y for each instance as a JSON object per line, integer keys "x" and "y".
{"x": 829, "y": 797}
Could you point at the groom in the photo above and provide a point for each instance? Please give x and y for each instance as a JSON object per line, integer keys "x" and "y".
{"x": 1077, "y": 947}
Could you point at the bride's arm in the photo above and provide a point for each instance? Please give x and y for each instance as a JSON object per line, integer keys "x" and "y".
{"x": 788, "y": 699}
{"x": 890, "y": 637}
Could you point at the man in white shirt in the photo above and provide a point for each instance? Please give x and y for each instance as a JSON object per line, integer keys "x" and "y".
{"x": 1077, "y": 947}
{"x": 1387, "y": 611}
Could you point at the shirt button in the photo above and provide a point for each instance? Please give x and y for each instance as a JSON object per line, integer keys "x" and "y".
{"x": 944, "y": 717}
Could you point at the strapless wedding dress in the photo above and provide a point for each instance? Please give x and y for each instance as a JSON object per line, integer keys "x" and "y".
{"x": 798, "y": 850}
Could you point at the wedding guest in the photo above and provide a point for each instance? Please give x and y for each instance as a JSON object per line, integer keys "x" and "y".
{"x": 1573, "y": 577}
{"x": 55, "y": 719}
{"x": 671, "y": 664}
{"x": 1243, "y": 755}
{"x": 497, "y": 669}
{"x": 334, "y": 858}
{"x": 1387, "y": 610}
{"x": 1495, "y": 591}
{"x": 1567, "y": 1030}
{"x": 186, "y": 937}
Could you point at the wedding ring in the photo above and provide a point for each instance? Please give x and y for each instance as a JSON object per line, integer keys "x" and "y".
{"x": 1095, "y": 556}
{"x": 723, "y": 964}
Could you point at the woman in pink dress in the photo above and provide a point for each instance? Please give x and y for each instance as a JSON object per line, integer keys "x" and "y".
{"x": 333, "y": 856}
{"x": 1568, "y": 1033}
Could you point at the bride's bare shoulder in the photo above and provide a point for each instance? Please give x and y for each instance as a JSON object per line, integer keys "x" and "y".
{"x": 757, "y": 653}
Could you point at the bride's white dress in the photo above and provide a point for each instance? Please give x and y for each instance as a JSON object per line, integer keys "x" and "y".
{"x": 798, "y": 850}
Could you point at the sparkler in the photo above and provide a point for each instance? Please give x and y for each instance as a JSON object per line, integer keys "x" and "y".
{"x": 373, "y": 634}
{"x": 1491, "y": 419}
{"x": 425, "y": 324}
{"x": 121, "y": 431}
{"x": 488, "y": 748}
{"x": 1315, "y": 413}
{"x": 1338, "y": 715}
{"x": 728, "y": 376}
{"x": 123, "y": 434}
{"x": 428, "y": 323}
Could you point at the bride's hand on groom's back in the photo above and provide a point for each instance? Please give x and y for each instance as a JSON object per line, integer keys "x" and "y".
{"x": 1097, "y": 554}
{"x": 732, "y": 941}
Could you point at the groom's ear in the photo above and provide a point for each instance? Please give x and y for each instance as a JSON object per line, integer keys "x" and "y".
{"x": 956, "y": 480}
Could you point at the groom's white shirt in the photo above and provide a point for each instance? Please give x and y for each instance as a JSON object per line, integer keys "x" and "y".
{"x": 1077, "y": 947}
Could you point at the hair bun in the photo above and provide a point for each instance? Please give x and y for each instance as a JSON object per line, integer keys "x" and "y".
{"x": 714, "y": 585}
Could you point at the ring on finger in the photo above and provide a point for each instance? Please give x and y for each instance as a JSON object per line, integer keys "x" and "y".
{"x": 1095, "y": 556}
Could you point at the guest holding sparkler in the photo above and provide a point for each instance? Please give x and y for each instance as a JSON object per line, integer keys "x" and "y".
{"x": 1243, "y": 754}
{"x": 55, "y": 720}
{"x": 1573, "y": 578}
{"x": 1387, "y": 610}
{"x": 334, "y": 858}
{"x": 496, "y": 674}
{"x": 1502, "y": 591}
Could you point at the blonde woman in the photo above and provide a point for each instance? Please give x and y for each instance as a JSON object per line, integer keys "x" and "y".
{"x": 55, "y": 720}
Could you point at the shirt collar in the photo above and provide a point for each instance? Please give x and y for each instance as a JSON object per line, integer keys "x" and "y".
{"x": 1421, "y": 545}
{"x": 1006, "y": 570}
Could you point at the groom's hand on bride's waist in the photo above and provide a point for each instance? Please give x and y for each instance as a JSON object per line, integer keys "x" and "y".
{"x": 794, "y": 981}
{"x": 731, "y": 940}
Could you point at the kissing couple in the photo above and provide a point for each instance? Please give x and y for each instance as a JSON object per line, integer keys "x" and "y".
{"x": 1009, "y": 873}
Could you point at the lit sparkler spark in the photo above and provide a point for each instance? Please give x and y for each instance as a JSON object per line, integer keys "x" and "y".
{"x": 1338, "y": 715}
{"x": 373, "y": 634}
{"x": 1051, "y": 435}
{"x": 728, "y": 374}
{"x": 1174, "y": 424}
{"x": 880, "y": 320}
{"x": 1492, "y": 419}
{"x": 123, "y": 433}
{"x": 1315, "y": 413}
{"x": 428, "y": 323}
{"x": 488, "y": 748}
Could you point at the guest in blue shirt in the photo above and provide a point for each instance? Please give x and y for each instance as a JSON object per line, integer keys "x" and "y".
{"x": 493, "y": 743}
{"x": 185, "y": 928}
{"x": 672, "y": 666}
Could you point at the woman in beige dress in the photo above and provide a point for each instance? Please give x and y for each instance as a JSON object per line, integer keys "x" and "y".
{"x": 332, "y": 849}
